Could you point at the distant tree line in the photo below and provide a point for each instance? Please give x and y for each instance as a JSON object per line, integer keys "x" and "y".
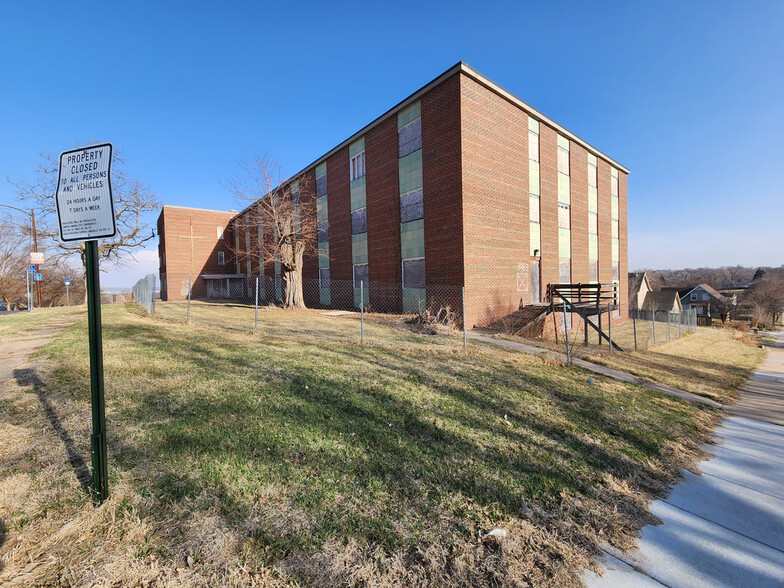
{"x": 758, "y": 291}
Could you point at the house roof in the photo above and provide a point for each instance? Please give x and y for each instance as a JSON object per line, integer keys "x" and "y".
{"x": 662, "y": 300}
{"x": 709, "y": 289}
{"x": 635, "y": 281}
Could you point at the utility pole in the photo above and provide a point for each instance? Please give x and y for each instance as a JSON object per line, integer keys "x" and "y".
{"x": 31, "y": 214}
{"x": 35, "y": 248}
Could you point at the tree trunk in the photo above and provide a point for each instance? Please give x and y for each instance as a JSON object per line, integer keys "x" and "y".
{"x": 292, "y": 283}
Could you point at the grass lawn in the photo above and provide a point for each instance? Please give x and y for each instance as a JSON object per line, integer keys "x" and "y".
{"x": 713, "y": 362}
{"x": 15, "y": 323}
{"x": 297, "y": 456}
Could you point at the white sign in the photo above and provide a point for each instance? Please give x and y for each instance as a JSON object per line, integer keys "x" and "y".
{"x": 36, "y": 257}
{"x": 85, "y": 209}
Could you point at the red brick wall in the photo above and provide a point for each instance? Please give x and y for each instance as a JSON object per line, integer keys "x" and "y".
{"x": 442, "y": 193}
{"x": 339, "y": 203}
{"x": 495, "y": 201}
{"x": 174, "y": 229}
{"x": 605, "y": 221}
{"x": 383, "y": 215}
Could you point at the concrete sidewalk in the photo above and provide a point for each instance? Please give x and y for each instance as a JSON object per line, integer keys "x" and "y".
{"x": 724, "y": 527}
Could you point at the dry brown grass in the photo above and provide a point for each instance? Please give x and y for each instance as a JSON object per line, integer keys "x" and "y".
{"x": 459, "y": 443}
{"x": 714, "y": 362}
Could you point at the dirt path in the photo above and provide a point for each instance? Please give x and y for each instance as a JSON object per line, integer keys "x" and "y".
{"x": 21, "y": 346}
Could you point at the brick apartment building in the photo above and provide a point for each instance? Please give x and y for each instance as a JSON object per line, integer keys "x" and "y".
{"x": 191, "y": 244}
{"x": 460, "y": 184}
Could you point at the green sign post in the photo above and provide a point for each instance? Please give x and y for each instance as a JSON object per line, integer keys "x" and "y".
{"x": 85, "y": 212}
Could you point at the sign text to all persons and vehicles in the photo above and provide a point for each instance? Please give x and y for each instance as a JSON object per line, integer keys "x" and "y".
{"x": 85, "y": 209}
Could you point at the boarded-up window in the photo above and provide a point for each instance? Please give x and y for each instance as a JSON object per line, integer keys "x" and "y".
{"x": 593, "y": 272}
{"x": 563, "y": 161}
{"x": 533, "y": 146}
{"x": 359, "y": 221}
{"x": 321, "y": 185}
{"x": 593, "y": 223}
{"x": 614, "y": 228}
{"x": 563, "y": 216}
{"x": 361, "y": 275}
{"x": 323, "y": 232}
{"x": 592, "y": 175}
{"x": 533, "y": 208}
{"x": 410, "y": 137}
{"x": 414, "y": 273}
{"x": 324, "y": 277}
{"x": 614, "y": 186}
{"x": 564, "y": 271}
{"x": 411, "y": 206}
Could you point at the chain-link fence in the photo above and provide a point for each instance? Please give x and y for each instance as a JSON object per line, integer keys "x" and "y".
{"x": 144, "y": 293}
{"x": 652, "y": 328}
{"x": 243, "y": 301}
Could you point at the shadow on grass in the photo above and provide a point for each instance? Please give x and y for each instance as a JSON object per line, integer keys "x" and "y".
{"x": 345, "y": 430}
{"x": 29, "y": 377}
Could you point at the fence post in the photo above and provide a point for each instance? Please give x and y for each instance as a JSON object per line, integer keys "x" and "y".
{"x": 634, "y": 328}
{"x": 361, "y": 311}
{"x": 188, "y": 313}
{"x": 609, "y": 325}
{"x": 566, "y": 336}
{"x": 256, "y": 315}
{"x": 680, "y": 323}
{"x": 668, "y": 326}
{"x": 465, "y": 336}
{"x": 653, "y": 322}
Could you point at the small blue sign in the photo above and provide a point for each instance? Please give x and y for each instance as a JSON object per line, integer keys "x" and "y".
{"x": 31, "y": 269}
{"x": 37, "y": 277}
{"x": 67, "y": 281}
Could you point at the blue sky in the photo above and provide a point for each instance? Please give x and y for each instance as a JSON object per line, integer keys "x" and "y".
{"x": 688, "y": 95}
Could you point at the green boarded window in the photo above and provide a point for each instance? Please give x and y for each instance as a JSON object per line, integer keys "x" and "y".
{"x": 593, "y": 247}
{"x": 564, "y": 244}
{"x": 563, "y": 143}
{"x": 323, "y": 254}
{"x": 592, "y": 159}
{"x": 563, "y": 189}
{"x": 408, "y": 114}
{"x": 533, "y": 146}
{"x": 613, "y": 172}
{"x": 359, "y": 249}
{"x": 615, "y": 250}
{"x": 410, "y": 172}
{"x": 533, "y": 125}
{"x": 533, "y": 209}
{"x": 356, "y": 147}
{"x": 533, "y": 177}
{"x": 321, "y": 168}
{"x": 322, "y": 210}
{"x": 593, "y": 200}
{"x": 358, "y": 193}
{"x": 412, "y": 239}
{"x": 536, "y": 246}
{"x": 614, "y": 207}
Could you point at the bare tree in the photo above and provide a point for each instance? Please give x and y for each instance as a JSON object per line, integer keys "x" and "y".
{"x": 285, "y": 211}
{"x": 766, "y": 296}
{"x": 133, "y": 201}
{"x": 13, "y": 262}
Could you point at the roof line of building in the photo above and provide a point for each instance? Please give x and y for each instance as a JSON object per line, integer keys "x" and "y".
{"x": 460, "y": 67}
{"x": 194, "y": 208}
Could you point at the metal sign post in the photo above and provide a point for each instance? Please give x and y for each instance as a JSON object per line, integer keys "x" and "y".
{"x": 85, "y": 212}
{"x": 67, "y": 287}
